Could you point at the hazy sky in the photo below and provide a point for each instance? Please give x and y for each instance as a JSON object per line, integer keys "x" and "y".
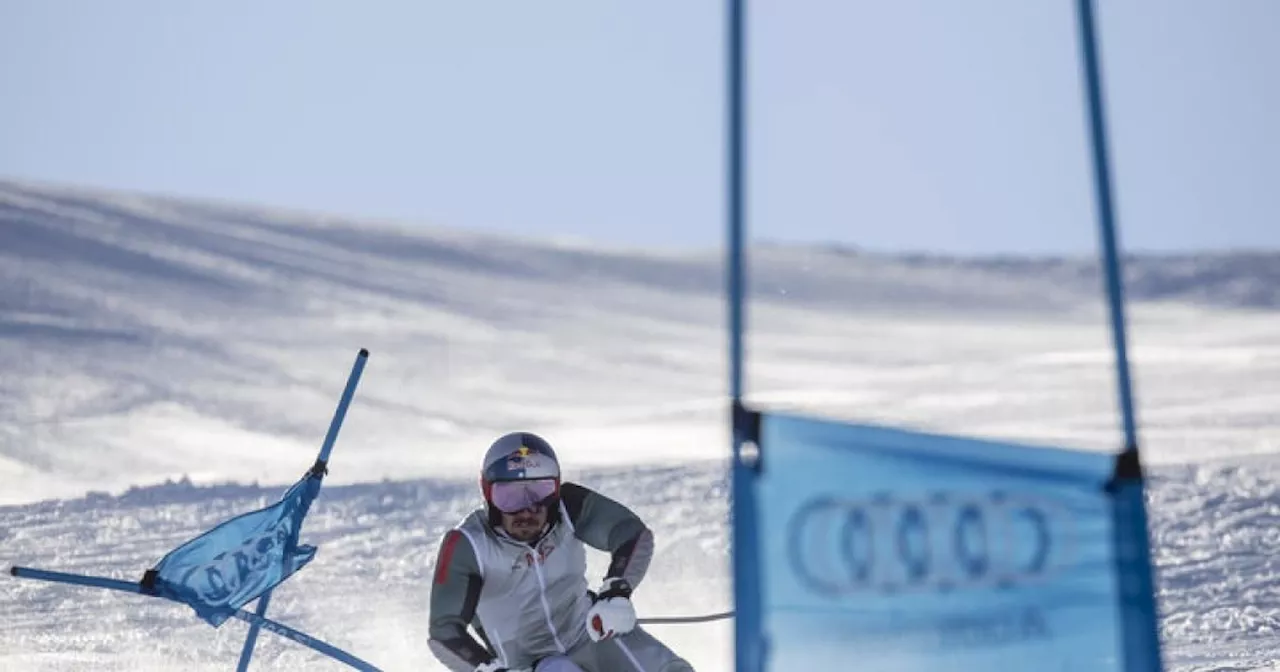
{"x": 921, "y": 124}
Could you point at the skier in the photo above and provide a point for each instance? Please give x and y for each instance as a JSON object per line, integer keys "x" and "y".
{"x": 515, "y": 570}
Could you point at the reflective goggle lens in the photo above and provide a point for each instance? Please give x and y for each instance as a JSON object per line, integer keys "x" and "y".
{"x": 513, "y": 496}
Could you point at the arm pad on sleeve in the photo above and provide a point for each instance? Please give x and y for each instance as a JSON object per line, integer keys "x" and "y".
{"x": 455, "y": 591}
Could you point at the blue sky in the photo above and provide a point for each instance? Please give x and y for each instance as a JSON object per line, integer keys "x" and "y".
{"x": 913, "y": 124}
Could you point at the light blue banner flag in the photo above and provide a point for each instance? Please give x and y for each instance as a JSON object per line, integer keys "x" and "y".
{"x": 232, "y": 564}
{"x": 896, "y": 551}
{"x": 241, "y": 559}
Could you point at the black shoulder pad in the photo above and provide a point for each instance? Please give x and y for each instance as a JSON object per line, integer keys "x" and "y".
{"x": 574, "y": 497}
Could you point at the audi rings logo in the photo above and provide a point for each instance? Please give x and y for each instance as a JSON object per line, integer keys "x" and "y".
{"x": 937, "y": 542}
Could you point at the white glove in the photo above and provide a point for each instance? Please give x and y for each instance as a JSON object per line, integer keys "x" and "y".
{"x": 612, "y": 612}
{"x": 495, "y": 666}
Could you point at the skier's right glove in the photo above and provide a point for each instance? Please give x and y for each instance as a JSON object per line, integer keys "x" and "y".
{"x": 495, "y": 666}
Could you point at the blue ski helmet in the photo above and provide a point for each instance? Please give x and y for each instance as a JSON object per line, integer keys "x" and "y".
{"x": 520, "y": 456}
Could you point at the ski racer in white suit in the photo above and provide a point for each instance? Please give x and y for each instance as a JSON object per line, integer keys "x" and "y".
{"x": 515, "y": 571}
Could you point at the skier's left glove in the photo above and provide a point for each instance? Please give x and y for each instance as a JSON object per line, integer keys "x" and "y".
{"x": 611, "y": 612}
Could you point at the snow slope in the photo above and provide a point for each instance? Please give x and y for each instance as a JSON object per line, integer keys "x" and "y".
{"x": 146, "y": 339}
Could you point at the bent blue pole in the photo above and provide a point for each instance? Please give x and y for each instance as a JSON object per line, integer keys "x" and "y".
{"x": 331, "y": 436}
{"x": 256, "y": 620}
{"x": 259, "y": 621}
{"x": 320, "y": 468}
{"x": 251, "y": 638}
{"x": 76, "y": 579}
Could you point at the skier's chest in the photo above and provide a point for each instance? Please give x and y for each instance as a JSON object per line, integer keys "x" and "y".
{"x": 551, "y": 560}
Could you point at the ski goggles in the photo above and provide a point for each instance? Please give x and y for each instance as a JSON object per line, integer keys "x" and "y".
{"x": 514, "y": 496}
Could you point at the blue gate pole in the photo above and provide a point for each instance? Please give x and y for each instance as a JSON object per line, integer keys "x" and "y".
{"x": 748, "y": 639}
{"x": 318, "y": 471}
{"x": 1106, "y": 219}
{"x": 735, "y": 202}
{"x": 1139, "y": 615}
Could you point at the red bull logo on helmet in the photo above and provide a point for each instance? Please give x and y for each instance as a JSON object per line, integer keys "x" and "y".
{"x": 523, "y": 459}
